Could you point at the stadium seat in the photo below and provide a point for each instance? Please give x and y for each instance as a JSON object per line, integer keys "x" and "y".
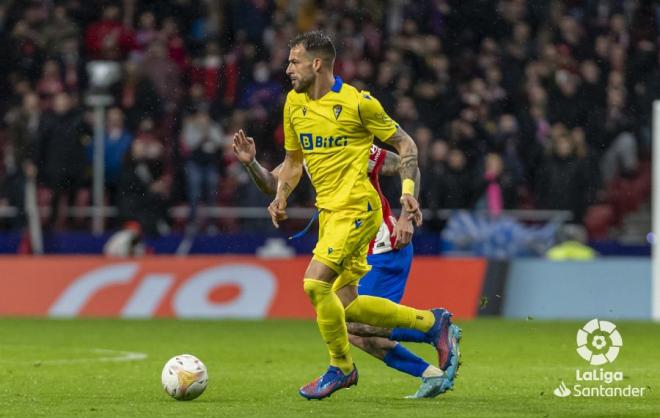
{"x": 598, "y": 220}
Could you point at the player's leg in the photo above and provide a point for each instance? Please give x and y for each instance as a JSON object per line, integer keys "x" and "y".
{"x": 395, "y": 355}
{"x": 372, "y": 310}
{"x": 382, "y": 312}
{"x": 330, "y": 315}
{"x": 331, "y": 321}
{"x": 387, "y": 279}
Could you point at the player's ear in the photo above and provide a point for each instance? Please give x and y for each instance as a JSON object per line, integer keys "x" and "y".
{"x": 317, "y": 63}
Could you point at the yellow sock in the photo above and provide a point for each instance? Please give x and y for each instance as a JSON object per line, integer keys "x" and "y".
{"x": 381, "y": 312}
{"x": 331, "y": 320}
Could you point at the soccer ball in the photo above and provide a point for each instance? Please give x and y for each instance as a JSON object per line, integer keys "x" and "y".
{"x": 184, "y": 377}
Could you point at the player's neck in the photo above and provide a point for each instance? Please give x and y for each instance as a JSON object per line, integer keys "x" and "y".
{"x": 321, "y": 86}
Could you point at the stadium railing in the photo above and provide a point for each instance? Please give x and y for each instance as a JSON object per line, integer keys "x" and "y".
{"x": 258, "y": 212}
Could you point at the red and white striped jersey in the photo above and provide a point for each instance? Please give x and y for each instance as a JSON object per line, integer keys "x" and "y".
{"x": 384, "y": 241}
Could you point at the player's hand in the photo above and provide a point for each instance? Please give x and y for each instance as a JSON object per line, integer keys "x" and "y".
{"x": 403, "y": 231}
{"x": 277, "y": 211}
{"x": 243, "y": 147}
{"x": 410, "y": 206}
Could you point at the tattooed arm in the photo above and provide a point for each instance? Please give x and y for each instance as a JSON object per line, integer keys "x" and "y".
{"x": 266, "y": 181}
{"x": 391, "y": 168}
{"x": 245, "y": 152}
{"x": 403, "y": 230}
{"x": 287, "y": 179}
{"x": 409, "y": 171}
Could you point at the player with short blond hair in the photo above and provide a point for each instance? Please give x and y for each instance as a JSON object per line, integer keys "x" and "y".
{"x": 329, "y": 128}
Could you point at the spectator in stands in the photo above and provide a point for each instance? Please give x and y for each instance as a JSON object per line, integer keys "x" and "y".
{"x": 164, "y": 73}
{"x": 467, "y": 75}
{"x": 59, "y": 29}
{"x": 25, "y": 50}
{"x": 562, "y": 179}
{"x": 455, "y": 188}
{"x": 143, "y": 188}
{"x": 60, "y": 151}
{"x": 206, "y": 72}
{"x": 432, "y": 177}
{"x": 136, "y": 95}
{"x": 116, "y": 143}
{"x": 566, "y": 105}
{"x": 201, "y": 140}
{"x": 262, "y": 92}
{"x": 108, "y": 38}
{"x": 145, "y": 33}
{"x": 613, "y": 137}
{"x": 171, "y": 37}
{"x": 74, "y": 73}
{"x": 23, "y": 124}
{"x": 572, "y": 245}
{"x": 50, "y": 83}
{"x": 496, "y": 188}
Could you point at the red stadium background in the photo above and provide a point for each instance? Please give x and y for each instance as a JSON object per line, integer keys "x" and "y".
{"x": 206, "y": 287}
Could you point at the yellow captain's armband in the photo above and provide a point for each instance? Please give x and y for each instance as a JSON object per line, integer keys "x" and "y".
{"x": 408, "y": 187}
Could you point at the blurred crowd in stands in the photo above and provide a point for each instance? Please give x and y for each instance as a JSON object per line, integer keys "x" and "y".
{"x": 512, "y": 103}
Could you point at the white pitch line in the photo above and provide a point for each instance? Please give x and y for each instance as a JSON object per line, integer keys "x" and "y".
{"x": 119, "y": 357}
{"x": 111, "y": 356}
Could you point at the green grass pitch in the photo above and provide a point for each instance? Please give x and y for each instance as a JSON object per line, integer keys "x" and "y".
{"x": 51, "y": 368}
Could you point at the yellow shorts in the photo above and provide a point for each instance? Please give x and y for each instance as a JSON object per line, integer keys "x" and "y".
{"x": 343, "y": 243}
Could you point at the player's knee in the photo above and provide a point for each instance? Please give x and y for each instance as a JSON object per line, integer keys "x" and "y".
{"x": 315, "y": 289}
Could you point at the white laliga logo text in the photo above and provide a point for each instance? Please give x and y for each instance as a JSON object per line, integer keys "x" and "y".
{"x": 562, "y": 391}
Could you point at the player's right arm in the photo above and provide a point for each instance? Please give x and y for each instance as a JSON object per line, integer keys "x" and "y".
{"x": 245, "y": 151}
{"x": 287, "y": 180}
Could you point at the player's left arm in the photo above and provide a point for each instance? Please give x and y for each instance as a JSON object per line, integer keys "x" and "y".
{"x": 409, "y": 172}
{"x": 375, "y": 120}
{"x": 391, "y": 166}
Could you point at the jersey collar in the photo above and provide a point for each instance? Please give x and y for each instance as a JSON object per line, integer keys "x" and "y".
{"x": 338, "y": 83}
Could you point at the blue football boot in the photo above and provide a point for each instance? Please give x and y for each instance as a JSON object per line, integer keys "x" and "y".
{"x": 333, "y": 380}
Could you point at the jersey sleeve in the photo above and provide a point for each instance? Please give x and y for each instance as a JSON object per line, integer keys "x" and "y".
{"x": 376, "y": 160}
{"x": 374, "y": 118}
{"x": 291, "y": 142}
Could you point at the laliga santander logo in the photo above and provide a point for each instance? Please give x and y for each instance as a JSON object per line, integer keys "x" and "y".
{"x": 599, "y": 342}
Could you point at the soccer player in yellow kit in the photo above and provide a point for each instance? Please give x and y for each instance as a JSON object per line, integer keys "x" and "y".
{"x": 329, "y": 126}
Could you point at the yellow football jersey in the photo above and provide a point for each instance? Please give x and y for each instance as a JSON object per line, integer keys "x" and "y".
{"x": 335, "y": 134}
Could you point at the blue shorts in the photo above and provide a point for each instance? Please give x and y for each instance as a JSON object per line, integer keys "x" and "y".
{"x": 389, "y": 274}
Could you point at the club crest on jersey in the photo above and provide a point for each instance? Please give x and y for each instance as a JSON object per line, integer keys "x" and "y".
{"x": 304, "y": 110}
{"x": 337, "y": 109}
